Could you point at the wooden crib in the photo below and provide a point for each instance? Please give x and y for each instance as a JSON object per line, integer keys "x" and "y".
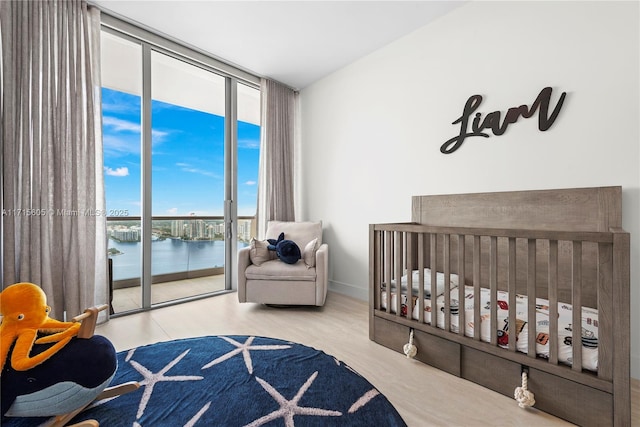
{"x": 483, "y": 255}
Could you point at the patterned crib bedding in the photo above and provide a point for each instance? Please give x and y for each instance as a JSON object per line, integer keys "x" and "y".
{"x": 589, "y": 321}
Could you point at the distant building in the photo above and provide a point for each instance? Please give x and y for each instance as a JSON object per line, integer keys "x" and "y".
{"x": 244, "y": 230}
{"x": 131, "y": 234}
{"x": 177, "y": 228}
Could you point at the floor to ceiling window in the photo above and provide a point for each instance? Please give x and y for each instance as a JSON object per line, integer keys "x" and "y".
{"x": 181, "y": 150}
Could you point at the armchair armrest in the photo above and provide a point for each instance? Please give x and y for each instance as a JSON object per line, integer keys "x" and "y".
{"x": 322, "y": 273}
{"x": 244, "y": 261}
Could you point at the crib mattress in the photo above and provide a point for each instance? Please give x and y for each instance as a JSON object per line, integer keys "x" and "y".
{"x": 565, "y": 351}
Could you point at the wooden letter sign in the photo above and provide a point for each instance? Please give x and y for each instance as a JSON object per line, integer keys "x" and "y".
{"x": 492, "y": 120}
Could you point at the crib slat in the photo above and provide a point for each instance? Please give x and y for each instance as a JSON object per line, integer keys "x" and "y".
{"x": 553, "y": 301}
{"x": 476, "y": 288}
{"x": 398, "y": 266}
{"x": 462, "y": 321}
{"x": 409, "y": 257}
{"x": 375, "y": 282}
{"x": 375, "y": 264}
{"x": 531, "y": 297}
{"x": 493, "y": 288}
{"x": 605, "y": 312}
{"x": 421, "y": 256}
{"x": 388, "y": 272}
{"x": 576, "y": 300}
{"x": 433, "y": 266}
{"x": 513, "y": 328}
{"x": 447, "y": 282}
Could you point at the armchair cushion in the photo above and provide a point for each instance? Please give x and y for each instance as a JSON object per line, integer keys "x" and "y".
{"x": 300, "y": 232}
{"x": 277, "y": 270}
{"x": 309, "y": 253}
{"x": 260, "y": 252}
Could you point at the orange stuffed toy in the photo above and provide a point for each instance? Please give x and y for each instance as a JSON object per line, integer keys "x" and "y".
{"x": 25, "y": 312}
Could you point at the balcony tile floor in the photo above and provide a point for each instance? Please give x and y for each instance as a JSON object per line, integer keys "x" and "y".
{"x": 127, "y": 299}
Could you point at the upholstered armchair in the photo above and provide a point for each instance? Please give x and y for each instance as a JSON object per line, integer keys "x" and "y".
{"x": 263, "y": 278}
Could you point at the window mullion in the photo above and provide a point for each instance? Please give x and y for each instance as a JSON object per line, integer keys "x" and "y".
{"x": 146, "y": 135}
{"x": 231, "y": 173}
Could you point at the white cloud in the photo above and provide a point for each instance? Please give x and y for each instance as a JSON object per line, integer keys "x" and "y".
{"x": 158, "y": 135}
{"x": 249, "y": 143}
{"x": 123, "y": 171}
{"x": 172, "y": 211}
{"x": 119, "y": 107}
{"x": 120, "y": 125}
{"x": 250, "y": 183}
{"x": 185, "y": 167}
{"x": 118, "y": 146}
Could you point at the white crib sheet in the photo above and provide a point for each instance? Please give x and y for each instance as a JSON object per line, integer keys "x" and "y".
{"x": 565, "y": 352}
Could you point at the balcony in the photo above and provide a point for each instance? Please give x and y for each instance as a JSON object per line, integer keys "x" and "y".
{"x": 187, "y": 257}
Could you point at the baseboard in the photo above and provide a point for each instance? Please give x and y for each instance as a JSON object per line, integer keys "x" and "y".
{"x": 349, "y": 290}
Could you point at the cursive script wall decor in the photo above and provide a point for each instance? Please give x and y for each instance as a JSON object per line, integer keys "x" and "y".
{"x": 492, "y": 120}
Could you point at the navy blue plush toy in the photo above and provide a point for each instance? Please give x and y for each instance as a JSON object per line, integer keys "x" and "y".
{"x": 286, "y": 250}
{"x": 67, "y": 381}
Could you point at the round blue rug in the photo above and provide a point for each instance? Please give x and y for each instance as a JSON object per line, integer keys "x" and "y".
{"x": 240, "y": 381}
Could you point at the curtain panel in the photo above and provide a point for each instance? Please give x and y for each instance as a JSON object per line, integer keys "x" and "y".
{"x": 53, "y": 223}
{"x": 277, "y": 154}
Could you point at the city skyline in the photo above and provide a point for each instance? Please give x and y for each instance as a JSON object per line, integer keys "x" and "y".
{"x": 186, "y": 229}
{"x": 187, "y": 159}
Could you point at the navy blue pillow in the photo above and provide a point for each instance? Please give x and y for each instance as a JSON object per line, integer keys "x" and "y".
{"x": 286, "y": 250}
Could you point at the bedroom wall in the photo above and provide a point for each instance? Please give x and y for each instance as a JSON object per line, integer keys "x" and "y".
{"x": 372, "y": 131}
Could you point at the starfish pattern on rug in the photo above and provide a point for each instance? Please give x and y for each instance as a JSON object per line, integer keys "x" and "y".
{"x": 245, "y": 349}
{"x": 364, "y": 399}
{"x": 294, "y": 385}
{"x": 289, "y": 408}
{"x": 197, "y": 416}
{"x": 151, "y": 379}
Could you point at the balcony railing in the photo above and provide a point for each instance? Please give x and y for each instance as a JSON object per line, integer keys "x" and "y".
{"x": 182, "y": 247}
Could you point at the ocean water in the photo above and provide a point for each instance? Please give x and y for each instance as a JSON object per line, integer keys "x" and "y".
{"x": 168, "y": 256}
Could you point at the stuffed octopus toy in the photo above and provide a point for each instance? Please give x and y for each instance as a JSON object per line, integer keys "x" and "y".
{"x": 25, "y": 312}
{"x": 45, "y": 370}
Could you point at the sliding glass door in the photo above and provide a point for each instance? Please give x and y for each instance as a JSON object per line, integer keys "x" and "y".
{"x": 181, "y": 165}
{"x": 187, "y": 178}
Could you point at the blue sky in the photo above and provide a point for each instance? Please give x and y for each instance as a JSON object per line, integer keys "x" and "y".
{"x": 187, "y": 158}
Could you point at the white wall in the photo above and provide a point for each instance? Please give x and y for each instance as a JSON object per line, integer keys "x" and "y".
{"x": 371, "y": 132}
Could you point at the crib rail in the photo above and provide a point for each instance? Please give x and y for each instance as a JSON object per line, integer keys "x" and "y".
{"x": 566, "y": 267}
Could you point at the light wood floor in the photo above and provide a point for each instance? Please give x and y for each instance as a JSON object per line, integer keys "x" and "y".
{"x": 424, "y": 396}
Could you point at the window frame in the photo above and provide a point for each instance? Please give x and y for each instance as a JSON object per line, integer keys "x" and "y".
{"x": 149, "y": 41}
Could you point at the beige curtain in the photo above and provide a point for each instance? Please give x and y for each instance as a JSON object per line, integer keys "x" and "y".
{"x": 278, "y": 133}
{"x": 53, "y": 227}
